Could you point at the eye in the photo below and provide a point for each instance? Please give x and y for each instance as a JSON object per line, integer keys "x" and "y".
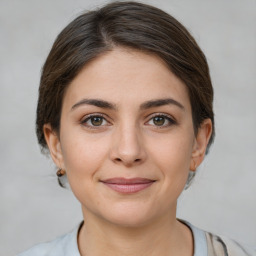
{"x": 161, "y": 120}
{"x": 92, "y": 121}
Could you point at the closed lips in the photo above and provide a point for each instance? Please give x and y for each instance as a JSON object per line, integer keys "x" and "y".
{"x": 124, "y": 185}
{"x": 125, "y": 181}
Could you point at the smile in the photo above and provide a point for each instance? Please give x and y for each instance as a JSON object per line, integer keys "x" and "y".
{"x": 128, "y": 186}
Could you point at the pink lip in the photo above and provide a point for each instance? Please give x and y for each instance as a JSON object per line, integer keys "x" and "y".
{"x": 128, "y": 186}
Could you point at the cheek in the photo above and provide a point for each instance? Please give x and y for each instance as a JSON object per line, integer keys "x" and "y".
{"x": 173, "y": 152}
{"x": 172, "y": 156}
{"x": 82, "y": 155}
{"x": 83, "y": 158}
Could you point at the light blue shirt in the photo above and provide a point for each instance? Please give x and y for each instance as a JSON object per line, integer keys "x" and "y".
{"x": 66, "y": 245}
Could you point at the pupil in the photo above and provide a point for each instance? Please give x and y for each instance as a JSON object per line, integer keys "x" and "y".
{"x": 96, "y": 121}
{"x": 159, "y": 120}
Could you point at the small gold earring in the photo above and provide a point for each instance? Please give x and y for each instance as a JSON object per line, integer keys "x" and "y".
{"x": 195, "y": 166}
{"x": 60, "y": 172}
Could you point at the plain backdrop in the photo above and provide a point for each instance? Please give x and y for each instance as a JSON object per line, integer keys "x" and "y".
{"x": 222, "y": 198}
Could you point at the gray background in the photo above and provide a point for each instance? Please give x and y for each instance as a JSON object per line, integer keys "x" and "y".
{"x": 222, "y": 199}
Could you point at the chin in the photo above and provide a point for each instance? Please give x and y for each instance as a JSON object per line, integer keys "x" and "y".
{"x": 129, "y": 215}
{"x": 129, "y": 221}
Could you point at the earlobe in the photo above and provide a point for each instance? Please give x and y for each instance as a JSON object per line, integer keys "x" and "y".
{"x": 200, "y": 145}
{"x": 53, "y": 143}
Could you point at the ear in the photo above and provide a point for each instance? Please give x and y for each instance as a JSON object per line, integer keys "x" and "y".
{"x": 54, "y": 146}
{"x": 200, "y": 144}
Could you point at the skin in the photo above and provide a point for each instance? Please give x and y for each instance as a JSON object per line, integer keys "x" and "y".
{"x": 128, "y": 141}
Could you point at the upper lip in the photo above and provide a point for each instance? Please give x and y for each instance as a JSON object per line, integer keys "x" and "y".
{"x": 125, "y": 181}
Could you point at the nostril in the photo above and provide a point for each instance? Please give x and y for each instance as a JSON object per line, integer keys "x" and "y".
{"x": 120, "y": 160}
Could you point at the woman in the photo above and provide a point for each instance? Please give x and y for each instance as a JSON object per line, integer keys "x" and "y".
{"x": 125, "y": 110}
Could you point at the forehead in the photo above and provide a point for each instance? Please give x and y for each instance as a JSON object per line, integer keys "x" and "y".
{"x": 126, "y": 76}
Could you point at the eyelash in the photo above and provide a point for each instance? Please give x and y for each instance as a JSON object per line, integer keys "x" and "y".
{"x": 89, "y": 117}
{"x": 171, "y": 120}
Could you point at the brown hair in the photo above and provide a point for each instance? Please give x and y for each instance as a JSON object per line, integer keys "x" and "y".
{"x": 123, "y": 24}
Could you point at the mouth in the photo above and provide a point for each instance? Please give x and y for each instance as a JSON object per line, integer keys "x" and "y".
{"x": 128, "y": 186}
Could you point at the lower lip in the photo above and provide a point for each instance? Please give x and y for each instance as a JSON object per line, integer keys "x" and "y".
{"x": 128, "y": 188}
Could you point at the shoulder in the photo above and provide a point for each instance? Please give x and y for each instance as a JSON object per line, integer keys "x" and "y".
{"x": 206, "y": 243}
{"x": 48, "y": 248}
{"x": 222, "y": 246}
{"x": 64, "y": 245}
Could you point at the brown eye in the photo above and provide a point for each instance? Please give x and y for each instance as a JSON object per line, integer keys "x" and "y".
{"x": 162, "y": 121}
{"x": 96, "y": 120}
{"x": 159, "y": 120}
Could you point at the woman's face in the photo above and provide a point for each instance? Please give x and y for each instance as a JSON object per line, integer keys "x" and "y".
{"x": 126, "y": 139}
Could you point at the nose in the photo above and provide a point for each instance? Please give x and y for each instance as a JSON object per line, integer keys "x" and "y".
{"x": 127, "y": 147}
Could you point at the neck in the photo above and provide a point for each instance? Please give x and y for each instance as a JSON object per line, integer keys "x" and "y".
{"x": 164, "y": 237}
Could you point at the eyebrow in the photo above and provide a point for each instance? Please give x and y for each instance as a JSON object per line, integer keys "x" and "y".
{"x": 146, "y": 105}
{"x": 160, "y": 102}
{"x": 95, "y": 102}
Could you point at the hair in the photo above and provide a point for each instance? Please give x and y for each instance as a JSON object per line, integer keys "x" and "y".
{"x": 123, "y": 24}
